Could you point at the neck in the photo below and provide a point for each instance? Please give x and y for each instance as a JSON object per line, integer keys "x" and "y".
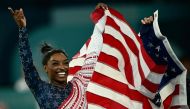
{"x": 59, "y": 84}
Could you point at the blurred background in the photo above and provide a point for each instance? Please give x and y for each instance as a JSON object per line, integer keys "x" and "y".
{"x": 66, "y": 24}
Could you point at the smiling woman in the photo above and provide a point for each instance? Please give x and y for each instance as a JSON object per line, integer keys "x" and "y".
{"x": 55, "y": 93}
{"x": 48, "y": 95}
{"x": 56, "y": 65}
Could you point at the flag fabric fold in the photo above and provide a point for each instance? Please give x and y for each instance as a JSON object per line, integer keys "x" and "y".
{"x": 132, "y": 72}
{"x": 172, "y": 87}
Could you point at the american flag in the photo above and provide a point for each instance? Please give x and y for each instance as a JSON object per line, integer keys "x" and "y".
{"x": 132, "y": 72}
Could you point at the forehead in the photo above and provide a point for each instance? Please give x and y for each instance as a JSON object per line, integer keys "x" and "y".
{"x": 58, "y": 57}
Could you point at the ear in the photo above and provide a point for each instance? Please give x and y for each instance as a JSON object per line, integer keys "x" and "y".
{"x": 45, "y": 68}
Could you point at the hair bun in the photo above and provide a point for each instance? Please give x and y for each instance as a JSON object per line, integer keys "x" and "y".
{"x": 45, "y": 48}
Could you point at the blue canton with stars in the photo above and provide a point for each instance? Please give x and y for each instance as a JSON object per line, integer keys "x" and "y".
{"x": 158, "y": 52}
{"x": 47, "y": 95}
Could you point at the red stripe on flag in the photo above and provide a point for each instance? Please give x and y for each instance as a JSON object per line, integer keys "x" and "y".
{"x": 104, "y": 102}
{"x": 131, "y": 44}
{"x": 140, "y": 70}
{"x": 159, "y": 69}
{"x": 168, "y": 100}
{"x": 110, "y": 40}
{"x": 120, "y": 16}
{"x": 119, "y": 88}
{"x": 150, "y": 86}
{"x": 97, "y": 14}
{"x": 116, "y": 86}
{"x": 146, "y": 103}
{"x": 87, "y": 42}
{"x": 176, "y": 91}
{"x": 73, "y": 70}
{"x": 109, "y": 60}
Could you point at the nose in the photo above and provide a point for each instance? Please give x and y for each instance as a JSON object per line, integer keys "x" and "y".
{"x": 62, "y": 67}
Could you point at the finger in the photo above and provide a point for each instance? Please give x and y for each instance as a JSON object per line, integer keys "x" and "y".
{"x": 102, "y": 5}
{"x": 11, "y": 10}
{"x": 151, "y": 18}
{"x": 143, "y": 22}
{"x": 17, "y": 12}
{"x": 105, "y": 7}
{"x": 20, "y": 16}
{"x": 146, "y": 20}
{"x": 99, "y": 6}
{"x": 21, "y": 12}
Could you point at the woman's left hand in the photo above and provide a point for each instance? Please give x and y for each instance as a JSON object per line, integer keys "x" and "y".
{"x": 147, "y": 20}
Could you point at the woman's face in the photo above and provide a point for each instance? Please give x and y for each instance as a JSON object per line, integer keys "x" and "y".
{"x": 57, "y": 69}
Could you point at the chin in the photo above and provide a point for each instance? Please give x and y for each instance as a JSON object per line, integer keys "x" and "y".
{"x": 62, "y": 79}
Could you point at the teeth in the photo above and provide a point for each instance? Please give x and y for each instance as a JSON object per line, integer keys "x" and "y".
{"x": 61, "y": 73}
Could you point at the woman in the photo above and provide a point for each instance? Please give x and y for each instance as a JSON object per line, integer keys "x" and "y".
{"x": 57, "y": 92}
{"x": 56, "y": 64}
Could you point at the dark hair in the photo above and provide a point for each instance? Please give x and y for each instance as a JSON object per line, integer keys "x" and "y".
{"x": 48, "y": 51}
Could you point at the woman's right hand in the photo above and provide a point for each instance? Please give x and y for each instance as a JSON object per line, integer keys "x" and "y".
{"x": 18, "y": 16}
{"x": 101, "y": 5}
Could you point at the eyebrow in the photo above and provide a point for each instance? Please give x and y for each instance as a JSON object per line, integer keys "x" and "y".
{"x": 66, "y": 60}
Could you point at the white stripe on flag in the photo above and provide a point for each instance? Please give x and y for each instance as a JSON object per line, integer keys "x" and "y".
{"x": 83, "y": 50}
{"x": 167, "y": 90}
{"x": 115, "y": 53}
{"x": 114, "y": 96}
{"x": 147, "y": 92}
{"x": 125, "y": 29}
{"x": 112, "y": 73}
{"x": 77, "y": 62}
{"x": 69, "y": 77}
{"x": 95, "y": 106}
{"x": 132, "y": 57}
{"x": 155, "y": 77}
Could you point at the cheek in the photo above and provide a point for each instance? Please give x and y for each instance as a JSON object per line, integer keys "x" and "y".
{"x": 51, "y": 67}
{"x": 51, "y": 73}
{"x": 50, "y": 70}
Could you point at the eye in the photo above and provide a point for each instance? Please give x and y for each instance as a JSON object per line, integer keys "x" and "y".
{"x": 55, "y": 63}
{"x": 66, "y": 63}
